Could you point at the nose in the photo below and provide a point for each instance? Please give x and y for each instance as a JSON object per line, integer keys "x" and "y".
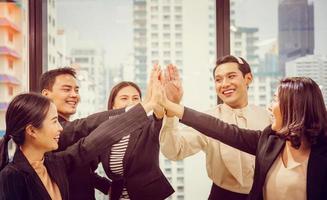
{"x": 130, "y": 102}
{"x": 74, "y": 93}
{"x": 225, "y": 82}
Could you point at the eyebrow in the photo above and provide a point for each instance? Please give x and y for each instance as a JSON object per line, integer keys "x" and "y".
{"x": 229, "y": 73}
{"x": 126, "y": 95}
{"x": 55, "y": 117}
{"x": 69, "y": 86}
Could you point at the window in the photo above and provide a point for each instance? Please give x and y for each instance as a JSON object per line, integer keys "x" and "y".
{"x": 168, "y": 170}
{"x": 178, "y": 8}
{"x": 136, "y": 35}
{"x": 81, "y": 60}
{"x": 10, "y": 91}
{"x": 10, "y": 64}
{"x": 10, "y": 36}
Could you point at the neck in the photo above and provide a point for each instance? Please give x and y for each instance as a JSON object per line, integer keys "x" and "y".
{"x": 64, "y": 116}
{"x": 238, "y": 106}
{"x": 32, "y": 153}
{"x": 300, "y": 154}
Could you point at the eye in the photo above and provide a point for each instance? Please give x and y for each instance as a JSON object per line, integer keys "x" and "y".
{"x": 218, "y": 80}
{"x": 231, "y": 76}
{"x": 136, "y": 98}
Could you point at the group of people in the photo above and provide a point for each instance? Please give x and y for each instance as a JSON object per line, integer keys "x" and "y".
{"x": 250, "y": 153}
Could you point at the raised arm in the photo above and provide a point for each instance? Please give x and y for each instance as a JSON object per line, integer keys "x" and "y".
{"x": 177, "y": 143}
{"x": 75, "y": 130}
{"x": 242, "y": 139}
{"x": 108, "y": 133}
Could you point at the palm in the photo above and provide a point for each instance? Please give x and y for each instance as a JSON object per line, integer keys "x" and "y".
{"x": 173, "y": 85}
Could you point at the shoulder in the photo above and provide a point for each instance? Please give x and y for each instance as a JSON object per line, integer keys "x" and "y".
{"x": 259, "y": 110}
{"x": 260, "y": 113}
{"x": 11, "y": 174}
{"x": 213, "y": 110}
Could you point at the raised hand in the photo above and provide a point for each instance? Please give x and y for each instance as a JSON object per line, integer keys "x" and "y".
{"x": 155, "y": 89}
{"x": 173, "y": 84}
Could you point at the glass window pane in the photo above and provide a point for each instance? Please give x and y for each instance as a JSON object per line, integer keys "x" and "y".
{"x": 13, "y": 54}
{"x": 280, "y": 38}
{"x": 109, "y": 41}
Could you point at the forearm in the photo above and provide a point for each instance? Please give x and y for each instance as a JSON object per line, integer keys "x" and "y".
{"x": 108, "y": 133}
{"x": 77, "y": 129}
{"x": 242, "y": 139}
{"x": 178, "y": 143}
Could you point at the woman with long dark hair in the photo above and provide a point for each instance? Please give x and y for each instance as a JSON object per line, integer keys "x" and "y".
{"x": 133, "y": 162}
{"x": 38, "y": 173}
{"x": 291, "y": 154}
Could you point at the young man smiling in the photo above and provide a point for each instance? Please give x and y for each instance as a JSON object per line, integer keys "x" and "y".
{"x": 60, "y": 85}
{"x": 230, "y": 169}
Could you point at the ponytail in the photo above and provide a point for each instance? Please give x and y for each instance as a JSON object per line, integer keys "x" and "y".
{"x": 4, "y": 158}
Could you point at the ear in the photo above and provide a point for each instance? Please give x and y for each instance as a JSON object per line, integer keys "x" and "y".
{"x": 45, "y": 92}
{"x": 248, "y": 79}
{"x": 30, "y": 130}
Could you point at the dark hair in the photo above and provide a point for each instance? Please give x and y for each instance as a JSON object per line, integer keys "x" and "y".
{"x": 48, "y": 78}
{"x": 303, "y": 110}
{"x": 25, "y": 109}
{"x": 243, "y": 66}
{"x": 117, "y": 88}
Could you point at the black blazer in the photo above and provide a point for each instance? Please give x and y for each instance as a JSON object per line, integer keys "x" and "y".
{"x": 142, "y": 175}
{"x": 19, "y": 181}
{"x": 83, "y": 180}
{"x": 266, "y": 145}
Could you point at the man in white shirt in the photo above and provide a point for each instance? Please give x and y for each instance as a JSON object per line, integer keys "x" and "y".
{"x": 230, "y": 169}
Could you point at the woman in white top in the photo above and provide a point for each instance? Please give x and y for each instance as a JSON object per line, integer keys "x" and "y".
{"x": 291, "y": 154}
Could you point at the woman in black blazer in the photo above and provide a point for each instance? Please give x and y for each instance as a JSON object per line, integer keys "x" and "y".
{"x": 35, "y": 172}
{"x": 297, "y": 136}
{"x": 133, "y": 163}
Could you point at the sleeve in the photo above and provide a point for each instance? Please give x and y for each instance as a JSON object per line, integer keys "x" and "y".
{"x": 75, "y": 130}
{"x": 13, "y": 186}
{"x": 108, "y": 133}
{"x": 155, "y": 128}
{"x": 178, "y": 143}
{"x": 242, "y": 139}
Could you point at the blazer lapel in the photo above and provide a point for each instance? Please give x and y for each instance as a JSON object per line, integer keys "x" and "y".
{"x": 56, "y": 176}
{"x": 273, "y": 148}
{"x": 130, "y": 148}
{"x": 32, "y": 178}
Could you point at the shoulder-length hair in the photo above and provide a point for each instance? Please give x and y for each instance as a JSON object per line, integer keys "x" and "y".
{"x": 25, "y": 109}
{"x": 117, "y": 88}
{"x": 303, "y": 110}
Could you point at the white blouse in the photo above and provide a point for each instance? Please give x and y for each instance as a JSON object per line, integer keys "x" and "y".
{"x": 286, "y": 182}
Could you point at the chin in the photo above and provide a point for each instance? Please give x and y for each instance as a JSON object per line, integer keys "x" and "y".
{"x": 54, "y": 147}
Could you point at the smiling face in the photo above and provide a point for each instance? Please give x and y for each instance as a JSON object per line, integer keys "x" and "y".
{"x": 126, "y": 96}
{"x": 47, "y": 136}
{"x": 64, "y": 94}
{"x": 231, "y": 85}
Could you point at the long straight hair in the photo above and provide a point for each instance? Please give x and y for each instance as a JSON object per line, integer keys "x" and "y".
{"x": 303, "y": 110}
{"x": 25, "y": 109}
